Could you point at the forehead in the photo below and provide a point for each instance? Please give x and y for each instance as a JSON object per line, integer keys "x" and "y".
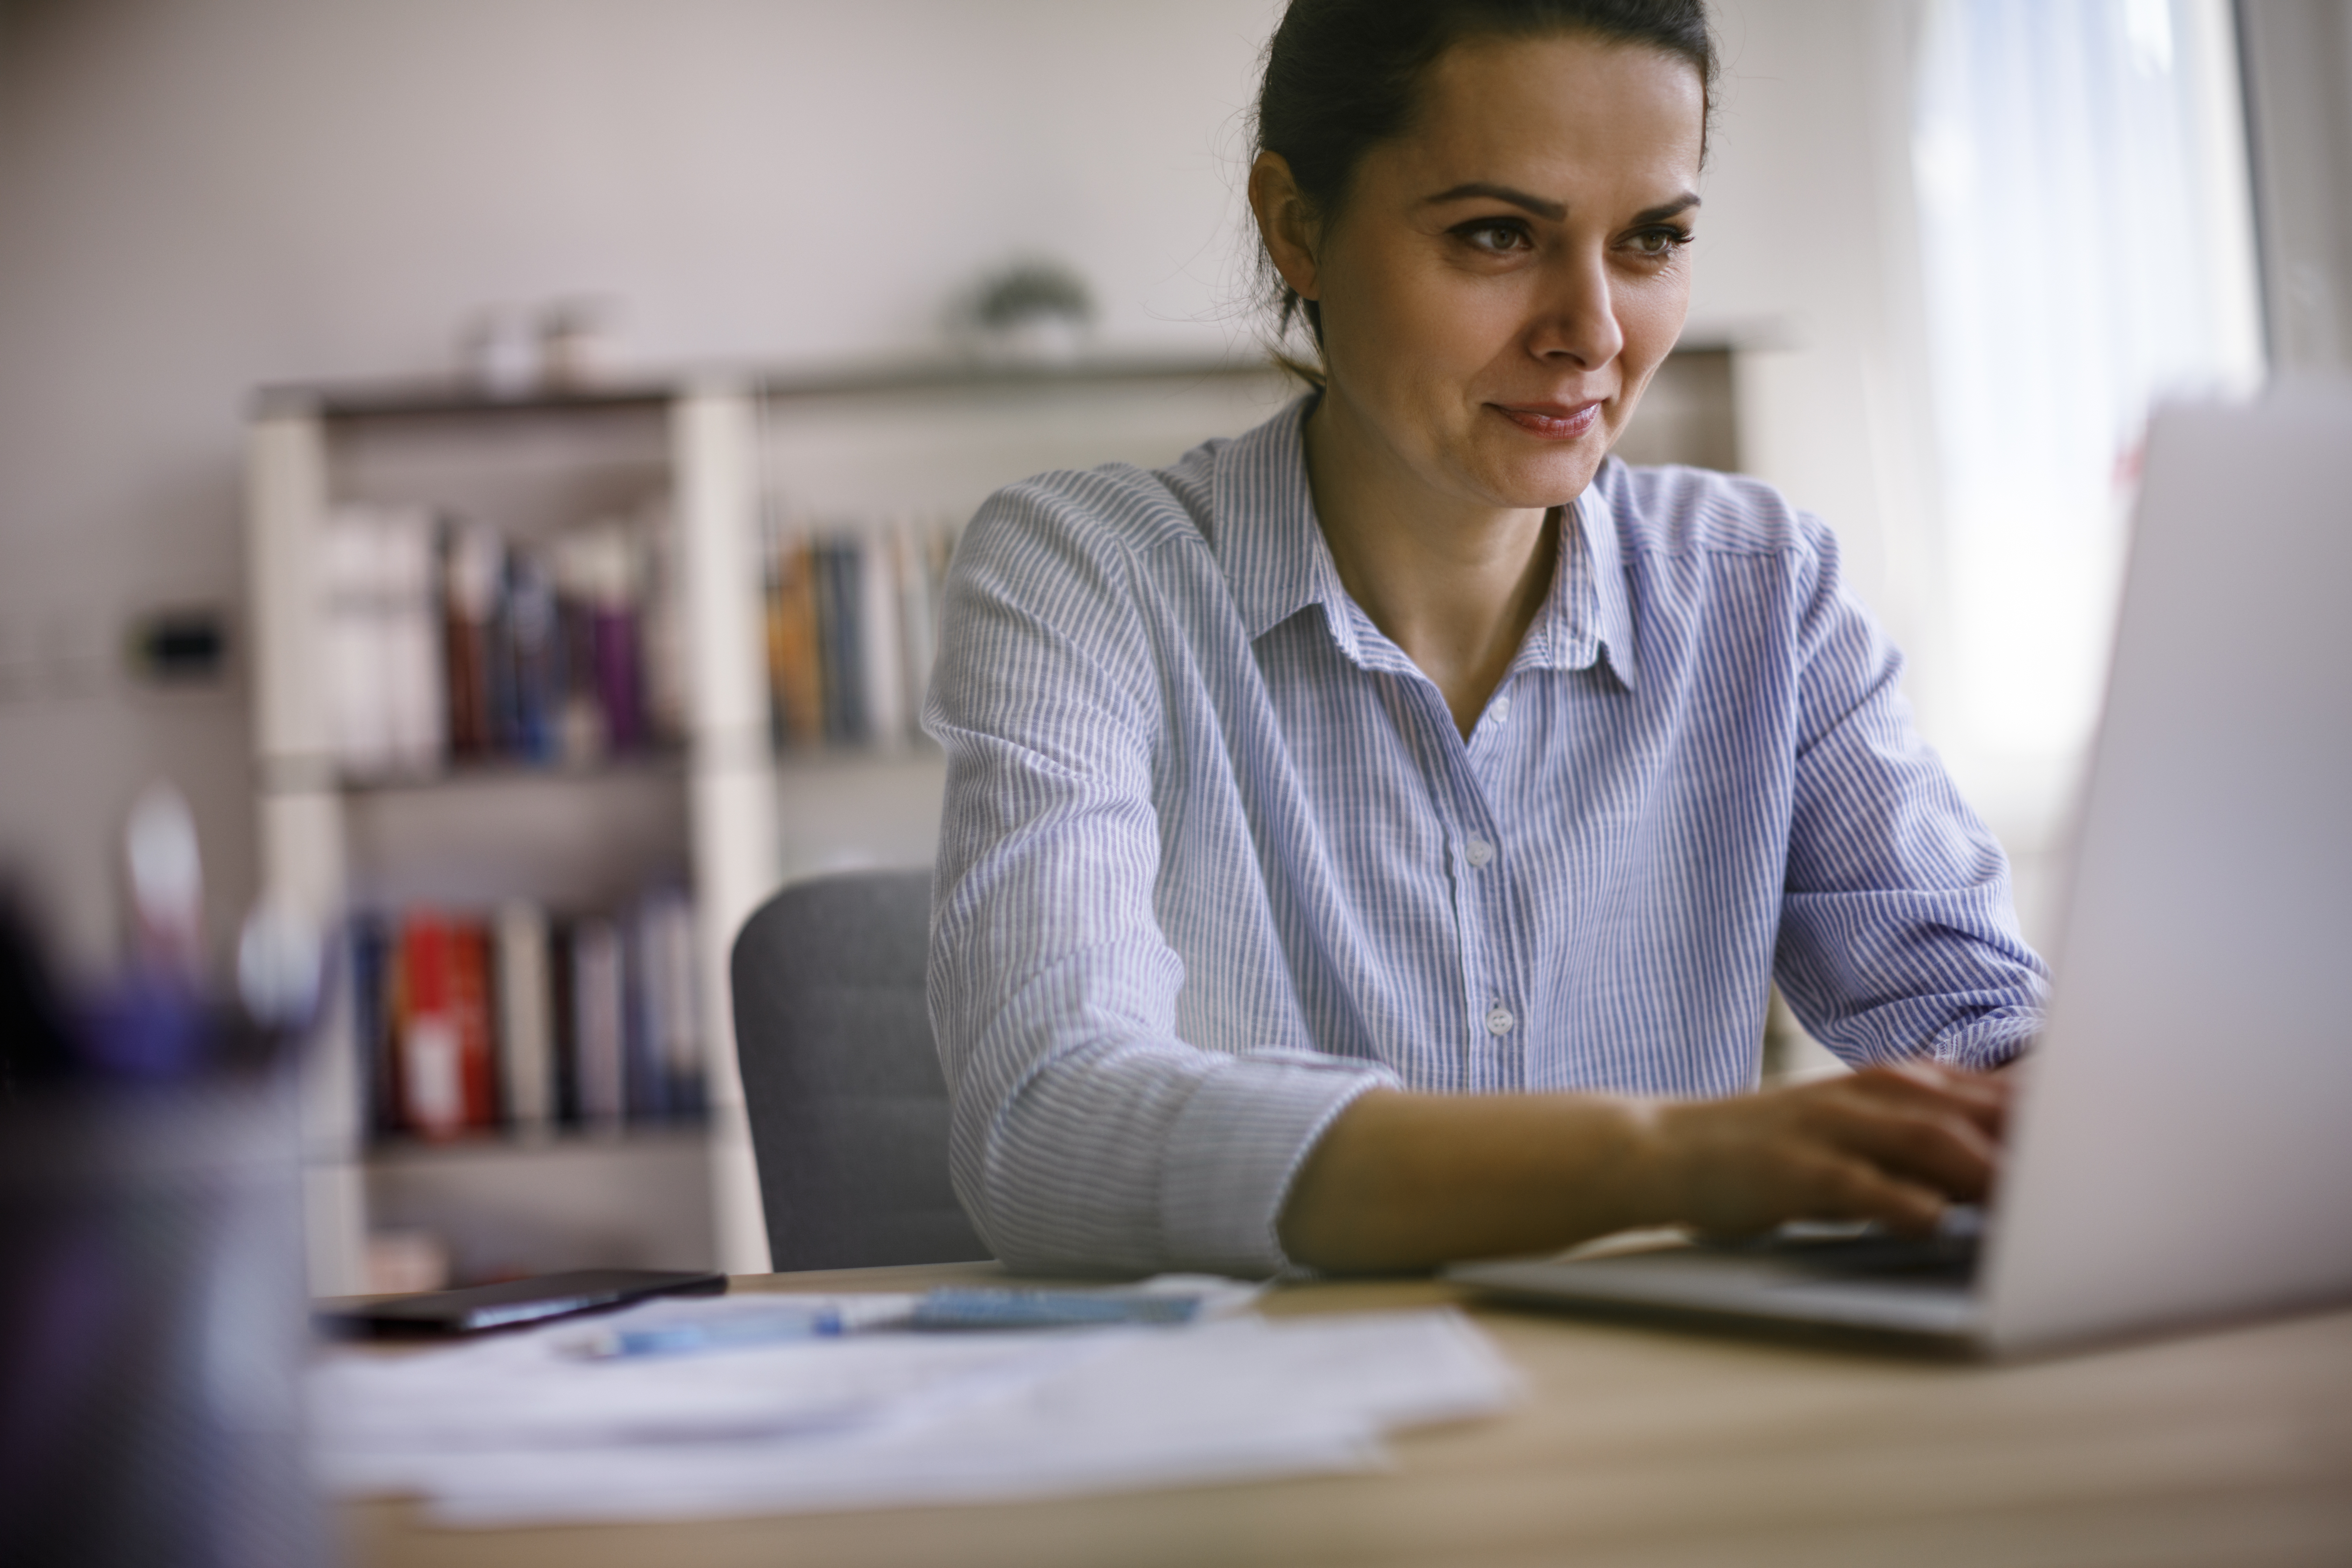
{"x": 1554, "y": 111}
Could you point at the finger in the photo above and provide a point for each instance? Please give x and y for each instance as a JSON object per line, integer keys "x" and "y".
{"x": 1948, "y": 1153}
{"x": 1979, "y": 1097}
{"x": 1847, "y": 1188}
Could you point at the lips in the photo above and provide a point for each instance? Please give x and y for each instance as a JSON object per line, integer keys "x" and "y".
{"x": 1552, "y": 421}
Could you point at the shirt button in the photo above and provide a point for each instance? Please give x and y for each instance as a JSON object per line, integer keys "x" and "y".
{"x": 1499, "y": 1021}
{"x": 1499, "y": 711}
{"x": 1478, "y": 852}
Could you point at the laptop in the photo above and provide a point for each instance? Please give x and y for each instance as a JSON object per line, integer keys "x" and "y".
{"x": 2180, "y": 1150}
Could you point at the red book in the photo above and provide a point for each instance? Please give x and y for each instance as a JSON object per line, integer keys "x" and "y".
{"x": 471, "y": 1005}
{"x": 431, "y": 1084}
{"x": 446, "y": 1065}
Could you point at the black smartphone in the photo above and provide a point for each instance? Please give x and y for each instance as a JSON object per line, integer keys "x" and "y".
{"x": 510, "y": 1302}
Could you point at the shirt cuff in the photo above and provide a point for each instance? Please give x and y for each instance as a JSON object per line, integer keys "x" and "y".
{"x": 1236, "y": 1147}
{"x": 1993, "y": 1040}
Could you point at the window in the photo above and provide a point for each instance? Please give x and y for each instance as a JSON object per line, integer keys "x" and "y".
{"x": 2087, "y": 250}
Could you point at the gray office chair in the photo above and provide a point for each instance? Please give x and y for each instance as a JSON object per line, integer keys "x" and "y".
{"x": 848, "y": 1107}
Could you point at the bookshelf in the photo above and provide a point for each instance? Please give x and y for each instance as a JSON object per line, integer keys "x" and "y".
{"x": 717, "y": 807}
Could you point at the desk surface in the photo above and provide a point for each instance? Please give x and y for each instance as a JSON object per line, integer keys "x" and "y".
{"x": 1655, "y": 1446}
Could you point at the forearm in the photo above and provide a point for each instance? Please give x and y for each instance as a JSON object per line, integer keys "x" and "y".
{"x": 1404, "y": 1181}
{"x": 1407, "y": 1181}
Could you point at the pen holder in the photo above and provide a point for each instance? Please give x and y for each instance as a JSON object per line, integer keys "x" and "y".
{"x": 153, "y": 1329}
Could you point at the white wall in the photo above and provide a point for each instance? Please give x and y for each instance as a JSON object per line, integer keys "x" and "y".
{"x": 194, "y": 199}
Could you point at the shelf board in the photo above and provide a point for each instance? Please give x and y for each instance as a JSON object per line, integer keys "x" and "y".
{"x": 506, "y": 1144}
{"x": 441, "y": 399}
{"x": 498, "y": 772}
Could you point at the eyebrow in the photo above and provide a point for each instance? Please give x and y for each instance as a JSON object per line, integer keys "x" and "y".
{"x": 1550, "y": 211}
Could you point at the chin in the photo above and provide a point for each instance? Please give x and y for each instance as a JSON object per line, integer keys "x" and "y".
{"x": 1553, "y": 480}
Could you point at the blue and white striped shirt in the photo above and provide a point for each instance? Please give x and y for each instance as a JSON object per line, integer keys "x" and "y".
{"x": 1216, "y": 858}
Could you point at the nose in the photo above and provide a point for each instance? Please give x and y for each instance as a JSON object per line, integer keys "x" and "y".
{"x": 1575, "y": 316}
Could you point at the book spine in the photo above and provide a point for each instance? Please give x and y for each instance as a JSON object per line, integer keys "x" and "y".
{"x": 648, "y": 1092}
{"x": 797, "y": 659}
{"x": 842, "y": 599}
{"x": 599, "y": 1010}
{"x": 416, "y": 679}
{"x": 615, "y": 635}
{"x": 564, "y": 1031}
{"x": 353, "y": 602}
{"x": 681, "y": 1034}
{"x": 373, "y": 981}
{"x": 525, "y": 1025}
{"x": 473, "y": 1005}
{"x": 535, "y": 643}
{"x": 917, "y": 636}
{"x": 471, "y": 569}
{"x": 432, "y": 1079}
{"x": 883, "y": 683}
{"x": 661, "y": 624}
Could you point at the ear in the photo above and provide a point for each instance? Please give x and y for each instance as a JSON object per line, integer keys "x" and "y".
{"x": 1284, "y": 223}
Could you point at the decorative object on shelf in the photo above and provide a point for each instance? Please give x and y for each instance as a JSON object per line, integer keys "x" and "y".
{"x": 576, "y": 345}
{"x": 500, "y": 352}
{"x": 1037, "y": 311}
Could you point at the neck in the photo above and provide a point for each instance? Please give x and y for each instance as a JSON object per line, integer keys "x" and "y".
{"x": 1454, "y": 582}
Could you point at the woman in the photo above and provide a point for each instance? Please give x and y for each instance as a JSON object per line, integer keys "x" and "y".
{"x": 1369, "y": 841}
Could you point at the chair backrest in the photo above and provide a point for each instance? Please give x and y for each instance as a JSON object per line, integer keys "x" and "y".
{"x": 848, "y": 1107}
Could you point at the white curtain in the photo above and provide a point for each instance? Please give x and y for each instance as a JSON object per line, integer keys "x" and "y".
{"x": 2087, "y": 250}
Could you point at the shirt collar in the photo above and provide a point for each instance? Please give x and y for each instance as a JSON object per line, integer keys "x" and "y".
{"x": 1276, "y": 562}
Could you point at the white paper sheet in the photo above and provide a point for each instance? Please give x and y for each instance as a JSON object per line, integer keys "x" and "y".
{"x": 522, "y": 1429}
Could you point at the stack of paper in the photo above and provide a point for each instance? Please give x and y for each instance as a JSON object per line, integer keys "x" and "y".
{"x": 533, "y": 1428}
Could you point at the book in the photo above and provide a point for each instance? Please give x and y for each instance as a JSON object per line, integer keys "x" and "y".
{"x": 529, "y": 663}
{"x": 662, "y": 622}
{"x": 879, "y": 645}
{"x": 599, "y": 1011}
{"x": 472, "y": 563}
{"x": 430, "y": 1072}
{"x": 648, "y": 1090}
{"x": 672, "y": 940}
{"x": 840, "y": 599}
{"x": 374, "y": 981}
{"x": 355, "y": 606}
{"x": 564, "y": 1031}
{"x": 852, "y": 628}
{"x": 795, "y": 662}
{"x": 526, "y": 1042}
{"x": 473, "y": 1004}
{"x": 917, "y": 632}
{"x": 414, "y": 683}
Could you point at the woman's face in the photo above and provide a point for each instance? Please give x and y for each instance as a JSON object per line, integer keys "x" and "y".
{"x": 1501, "y": 281}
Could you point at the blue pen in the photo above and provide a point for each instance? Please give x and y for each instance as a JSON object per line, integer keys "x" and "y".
{"x": 733, "y": 1330}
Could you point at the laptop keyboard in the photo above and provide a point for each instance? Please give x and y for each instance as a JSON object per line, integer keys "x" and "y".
{"x": 1864, "y": 1252}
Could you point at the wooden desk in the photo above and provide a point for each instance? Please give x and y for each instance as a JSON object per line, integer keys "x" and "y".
{"x": 1650, "y": 1447}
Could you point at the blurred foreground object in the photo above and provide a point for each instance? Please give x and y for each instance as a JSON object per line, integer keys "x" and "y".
{"x": 152, "y": 1306}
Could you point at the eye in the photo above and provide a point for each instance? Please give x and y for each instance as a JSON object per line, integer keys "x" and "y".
{"x": 1659, "y": 242}
{"x": 1494, "y": 236}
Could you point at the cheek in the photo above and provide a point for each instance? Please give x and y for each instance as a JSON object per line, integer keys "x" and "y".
{"x": 1651, "y": 314}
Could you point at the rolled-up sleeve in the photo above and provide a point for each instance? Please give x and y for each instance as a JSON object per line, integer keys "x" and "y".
{"x": 1086, "y": 1135}
{"x": 1898, "y": 934}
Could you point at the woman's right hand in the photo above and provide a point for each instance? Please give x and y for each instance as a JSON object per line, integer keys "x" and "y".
{"x": 1893, "y": 1144}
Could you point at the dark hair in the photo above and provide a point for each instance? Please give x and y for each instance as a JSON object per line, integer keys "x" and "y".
{"x": 1340, "y": 78}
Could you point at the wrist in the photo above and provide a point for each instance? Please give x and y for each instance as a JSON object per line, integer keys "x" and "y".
{"x": 1652, "y": 1192}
